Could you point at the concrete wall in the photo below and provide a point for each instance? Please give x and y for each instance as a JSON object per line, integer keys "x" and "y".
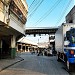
{"x": 16, "y": 24}
{"x": 3, "y": 12}
{"x": 16, "y": 28}
{"x": 70, "y": 18}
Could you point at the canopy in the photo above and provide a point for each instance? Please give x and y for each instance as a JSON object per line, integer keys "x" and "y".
{"x": 26, "y": 41}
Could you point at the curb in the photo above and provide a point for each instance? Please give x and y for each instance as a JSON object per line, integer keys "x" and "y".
{"x": 11, "y": 64}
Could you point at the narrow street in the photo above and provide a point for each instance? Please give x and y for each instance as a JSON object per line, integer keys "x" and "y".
{"x": 46, "y": 27}
{"x": 36, "y": 65}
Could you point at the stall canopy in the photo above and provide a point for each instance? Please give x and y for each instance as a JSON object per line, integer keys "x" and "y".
{"x": 43, "y": 45}
{"x": 27, "y": 41}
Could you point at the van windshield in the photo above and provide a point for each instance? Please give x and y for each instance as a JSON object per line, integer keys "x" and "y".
{"x": 73, "y": 39}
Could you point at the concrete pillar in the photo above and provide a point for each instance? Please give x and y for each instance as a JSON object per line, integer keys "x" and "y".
{"x": 28, "y": 48}
{"x": 17, "y": 47}
{"x": 25, "y": 48}
{"x": 0, "y": 48}
{"x": 13, "y": 46}
{"x": 21, "y": 48}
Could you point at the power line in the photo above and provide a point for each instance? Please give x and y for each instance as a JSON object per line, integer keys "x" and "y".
{"x": 31, "y": 4}
{"x": 62, "y": 15}
{"x": 36, "y": 8}
{"x": 48, "y": 12}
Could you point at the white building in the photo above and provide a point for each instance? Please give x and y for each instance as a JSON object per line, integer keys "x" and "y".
{"x": 13, "y": 16}
{"x": 70, "y": 18}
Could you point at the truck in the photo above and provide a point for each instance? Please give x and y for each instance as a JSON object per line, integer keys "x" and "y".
{"x": 65, "y": 44}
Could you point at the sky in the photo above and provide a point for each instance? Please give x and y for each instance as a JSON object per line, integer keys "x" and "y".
{"x": 56, "y": 13}
{"x": 47, "y": 13}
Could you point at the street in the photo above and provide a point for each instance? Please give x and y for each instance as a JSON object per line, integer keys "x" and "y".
{"x": 36, "y": 65}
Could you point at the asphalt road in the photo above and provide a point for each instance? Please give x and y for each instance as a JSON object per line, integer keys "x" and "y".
{"x": 36, "y": 65}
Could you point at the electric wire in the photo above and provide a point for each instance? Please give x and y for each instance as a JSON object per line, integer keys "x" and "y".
{"x": 32, "y": 4}
{"x": 48, "y": 12}
{"x": 35, "y": 9}
{"x": 62, "y": 15}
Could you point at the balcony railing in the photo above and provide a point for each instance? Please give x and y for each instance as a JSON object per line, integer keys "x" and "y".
{"x": 18, "y": 13}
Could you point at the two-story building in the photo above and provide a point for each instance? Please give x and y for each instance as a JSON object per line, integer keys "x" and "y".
{"x": 13, "y": 16}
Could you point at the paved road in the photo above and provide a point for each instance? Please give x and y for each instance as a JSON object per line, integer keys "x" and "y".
{"x": 36, "y": 65}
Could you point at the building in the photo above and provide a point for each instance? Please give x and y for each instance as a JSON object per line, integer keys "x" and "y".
{"x": 70, "y": 18}
{"x": 25, "y": 45}
{"x": 13, "y": 16}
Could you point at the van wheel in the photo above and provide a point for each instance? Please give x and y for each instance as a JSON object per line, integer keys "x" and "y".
{"x": 69, "y": 66}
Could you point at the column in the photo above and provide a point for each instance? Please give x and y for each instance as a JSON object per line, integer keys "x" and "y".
{"x": 17, "y": 47}
{"x": 21, "y": 48}
{"x": 13, "y": 46}
{"x": 0, "y": 48}
{"x": 25, "y": 47}
{"x": 28, "y": 48}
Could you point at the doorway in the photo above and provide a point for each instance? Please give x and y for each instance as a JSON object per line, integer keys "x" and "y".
{"x": 6, "y": 52}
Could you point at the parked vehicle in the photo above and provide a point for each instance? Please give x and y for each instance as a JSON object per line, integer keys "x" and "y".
{"x": 65, "y": 44}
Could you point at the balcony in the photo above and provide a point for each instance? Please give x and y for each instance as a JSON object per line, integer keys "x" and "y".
{"x": 18, "y": 12}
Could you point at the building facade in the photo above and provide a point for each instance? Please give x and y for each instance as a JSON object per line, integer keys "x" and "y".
{"x": 70, "y": 18}
{"x": 25, "y": 45}
{"x": 13, "y": 16}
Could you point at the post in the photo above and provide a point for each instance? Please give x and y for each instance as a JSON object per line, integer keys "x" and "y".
{"x": 0, "y": 48}
{"x": 13, "y": 46}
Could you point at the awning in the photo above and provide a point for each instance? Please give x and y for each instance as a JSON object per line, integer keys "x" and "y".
{"x": 27, "y": 41}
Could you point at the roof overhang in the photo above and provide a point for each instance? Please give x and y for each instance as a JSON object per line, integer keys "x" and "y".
{"x": 8, "y": 30}
{"x": 26, "y": 41}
